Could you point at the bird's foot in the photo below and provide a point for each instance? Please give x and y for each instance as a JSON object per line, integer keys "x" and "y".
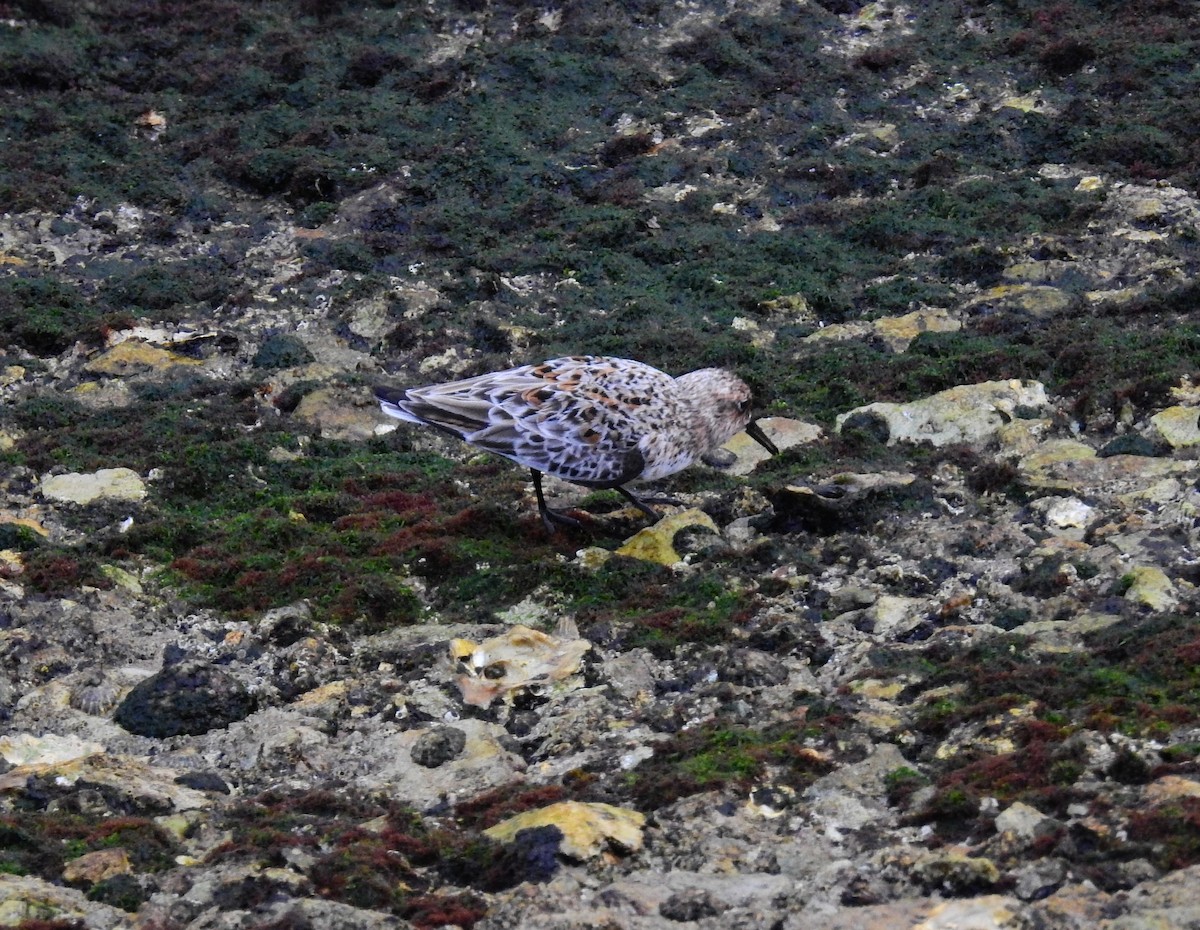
{"x": 554, "y": 520}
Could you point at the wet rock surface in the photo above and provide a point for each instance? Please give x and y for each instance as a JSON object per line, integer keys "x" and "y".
{"x": 267, "y": 660}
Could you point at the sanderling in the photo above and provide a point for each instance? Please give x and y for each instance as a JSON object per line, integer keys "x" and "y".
{"x": 595, "y": 421}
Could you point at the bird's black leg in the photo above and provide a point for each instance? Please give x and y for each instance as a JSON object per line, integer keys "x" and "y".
{"x": 551, "y": 519}
{"x": 642, "y": 505}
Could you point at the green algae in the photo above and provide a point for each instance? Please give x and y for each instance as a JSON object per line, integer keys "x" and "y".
{"x": 43, "y": 314}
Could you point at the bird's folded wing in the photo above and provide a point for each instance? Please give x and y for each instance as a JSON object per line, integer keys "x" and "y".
{"x": 601, "y": 465}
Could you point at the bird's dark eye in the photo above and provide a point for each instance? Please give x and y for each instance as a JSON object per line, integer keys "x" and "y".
{"x": 744, "y": 406}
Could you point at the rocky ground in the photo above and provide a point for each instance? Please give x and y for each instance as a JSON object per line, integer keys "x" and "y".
{"x": 267, "y": 661}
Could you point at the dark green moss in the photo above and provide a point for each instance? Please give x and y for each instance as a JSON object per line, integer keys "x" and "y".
{"x": 44, "y": 314}
{"x": 20, "y": 538}
{"x": 281, "y": 351}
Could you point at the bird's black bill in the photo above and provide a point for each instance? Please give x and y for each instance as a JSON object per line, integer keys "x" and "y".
{"x": 755, "y": 432}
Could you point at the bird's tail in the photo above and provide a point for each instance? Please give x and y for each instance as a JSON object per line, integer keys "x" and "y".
{"x": 393, "y": 402}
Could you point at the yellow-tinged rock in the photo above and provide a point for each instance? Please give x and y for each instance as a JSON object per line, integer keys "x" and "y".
{"x": 323, "y": 694}
{"x": 954, "y": 868}
{"x": 840, "y": 332}
{"x": 793, "y": 306}
{"x": 1150, "y": 586}
{"x": 11, "y": 560}
{"x": 1148, "y": 208}
{"x": 879, "y": 723}
{"x": 26, "y": 522}
{"x": 178, "y": 825}
{"x": 1039, "y": 299}
{"x": 593, "y": 557}
{"x": 1089, "y": 182}
{"x": 896, "y": 332}
{"x": 1179, "y": 426}
{"x": 656, "y": 543}
{"x": 1021, "y": 437}
{"x": 587, "y": 828}
{"x": 96, "y": 866}
{"x": 128, "y": 358}
{"x": 1027, "y": 103}
{"x": 1187, "y": 392}
{"x": 877, "y": 689}
{"x": 1049, "y": 464}
{"x": 149, "y": 786}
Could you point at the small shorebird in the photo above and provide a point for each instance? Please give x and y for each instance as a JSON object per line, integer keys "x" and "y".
{"x": 595, "y": 421}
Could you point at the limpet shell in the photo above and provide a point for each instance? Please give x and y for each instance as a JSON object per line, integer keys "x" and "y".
{"x": 96, "y": 695}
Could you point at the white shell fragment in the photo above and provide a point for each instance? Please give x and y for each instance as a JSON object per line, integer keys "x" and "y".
{"x": 519, "y": 658}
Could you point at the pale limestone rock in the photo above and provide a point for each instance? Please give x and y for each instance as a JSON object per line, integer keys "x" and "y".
{"x": 1151, "y": 586}
{"x": 26, "y": 749}
{"x": 967, "y": 413}
{"x": 1021, "y": 820}
{"x": 1068, "y": 513}
{"x": 587, "y": 828}
{"x": 1179, "y": 426}
{"x": 121, "y": 484}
